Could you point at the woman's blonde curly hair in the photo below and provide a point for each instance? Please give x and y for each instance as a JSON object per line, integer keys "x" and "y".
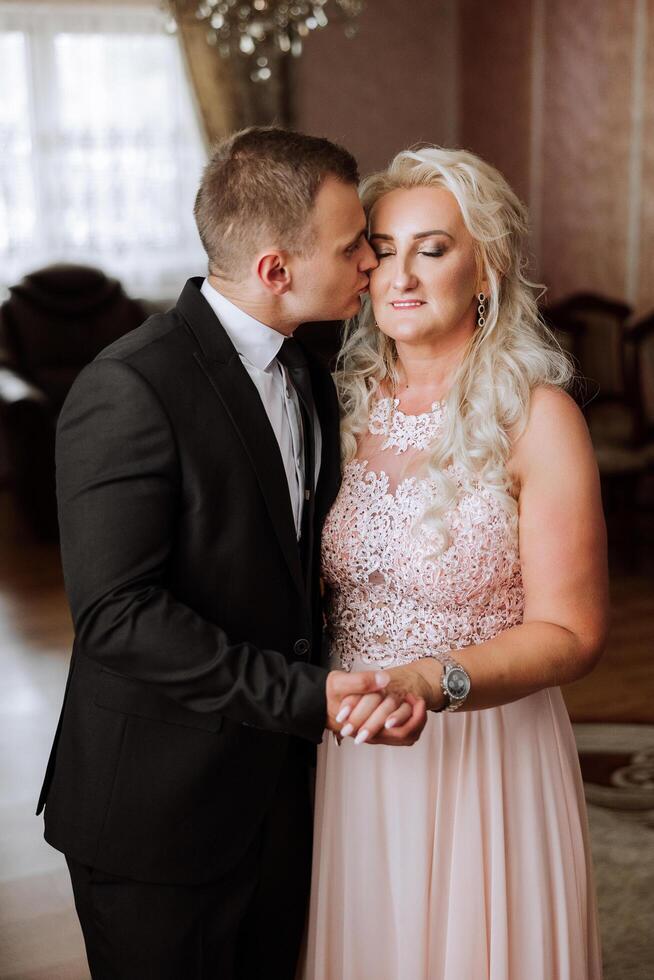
{"x": 509, "y": 356}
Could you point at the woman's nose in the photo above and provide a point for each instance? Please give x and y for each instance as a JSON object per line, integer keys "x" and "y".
{"x": 403, "y": 277}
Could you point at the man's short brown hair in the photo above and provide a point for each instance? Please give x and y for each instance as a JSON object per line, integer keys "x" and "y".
{"x": 262, "y": 183}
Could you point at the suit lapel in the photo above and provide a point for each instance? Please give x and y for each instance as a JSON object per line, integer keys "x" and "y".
{"x": 326, "y": 402}
{"x": 237, "y": 392}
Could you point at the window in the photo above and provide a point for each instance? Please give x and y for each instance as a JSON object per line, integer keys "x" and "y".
{"x": 100, "y": 148}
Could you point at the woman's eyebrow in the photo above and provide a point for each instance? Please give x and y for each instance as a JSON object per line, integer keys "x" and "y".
{"x": 434, "y": 231}
{"x": 420, "y": 234}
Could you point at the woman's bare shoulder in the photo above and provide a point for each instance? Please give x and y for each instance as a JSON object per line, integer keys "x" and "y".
{"x": 555, "y": 436}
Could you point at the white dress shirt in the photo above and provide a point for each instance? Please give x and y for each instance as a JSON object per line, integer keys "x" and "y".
{"x": 257, "y": 346}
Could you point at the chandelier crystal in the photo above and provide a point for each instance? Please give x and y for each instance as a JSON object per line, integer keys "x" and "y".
{"x": 264, "y": 29}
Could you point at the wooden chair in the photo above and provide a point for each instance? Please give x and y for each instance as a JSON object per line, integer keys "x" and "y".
{"x": 609, "y": 359}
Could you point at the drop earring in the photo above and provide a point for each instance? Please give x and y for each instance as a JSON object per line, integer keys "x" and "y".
{"x": 481, "y": 310}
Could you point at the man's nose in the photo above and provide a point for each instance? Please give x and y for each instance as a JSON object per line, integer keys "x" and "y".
{"x": 369, "y": 260}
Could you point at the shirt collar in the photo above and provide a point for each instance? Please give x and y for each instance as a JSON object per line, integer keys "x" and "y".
{"x": 256, "y": 342}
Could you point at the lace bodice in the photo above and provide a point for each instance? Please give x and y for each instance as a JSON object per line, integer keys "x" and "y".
{"x": 390, "y": 601}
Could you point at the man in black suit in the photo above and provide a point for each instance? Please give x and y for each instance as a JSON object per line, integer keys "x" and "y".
{"x": 196, "y": 460}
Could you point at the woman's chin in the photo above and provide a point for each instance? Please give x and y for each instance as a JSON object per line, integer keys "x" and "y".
{"x": 408, "y": 331}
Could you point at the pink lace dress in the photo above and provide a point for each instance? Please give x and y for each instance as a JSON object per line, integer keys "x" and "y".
{"x": 466, "y": 856}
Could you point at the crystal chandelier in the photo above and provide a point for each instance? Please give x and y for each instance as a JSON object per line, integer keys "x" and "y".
{"x": 265, "y": 29}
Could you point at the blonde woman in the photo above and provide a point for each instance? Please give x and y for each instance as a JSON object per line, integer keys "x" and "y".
{"x": 465, "y": 555}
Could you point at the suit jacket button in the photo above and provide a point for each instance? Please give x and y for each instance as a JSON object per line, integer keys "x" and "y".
{"x": 301, "y": 647}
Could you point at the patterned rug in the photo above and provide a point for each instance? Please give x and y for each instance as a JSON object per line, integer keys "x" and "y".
{"x": 617, "y": 763}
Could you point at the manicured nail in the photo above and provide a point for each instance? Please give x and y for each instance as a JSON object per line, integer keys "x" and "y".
{"x": 381, "y": 679}
{"x": 346, "y": 729}
{"x": 343, "y": 713}
{"x": 390, "y": 722}
{"x": 362, "y": 736}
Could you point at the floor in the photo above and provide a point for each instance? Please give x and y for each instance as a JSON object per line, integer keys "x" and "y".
{"x": 621, "y": 687}
{"x": 39, "y": 935}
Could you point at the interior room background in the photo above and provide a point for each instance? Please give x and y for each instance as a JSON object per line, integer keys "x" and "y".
{"x": 106, "y": 118}
{"x": 555, "y": 94}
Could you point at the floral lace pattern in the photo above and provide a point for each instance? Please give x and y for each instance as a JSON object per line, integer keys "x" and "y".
{"x": 404, "y": 431}
{"x": 390, "y": 601}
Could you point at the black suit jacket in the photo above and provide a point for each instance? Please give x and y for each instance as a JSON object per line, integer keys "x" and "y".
{"x": 197, "y": 643}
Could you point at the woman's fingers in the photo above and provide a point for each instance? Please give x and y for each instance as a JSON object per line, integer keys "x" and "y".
{"x": 342, "y": 685}
{"x": 410, "y": 731}
{"x": 399, "y": 717}
{"x": 346, "y": 706}
{"x": 365, "y": 726}
{"x": 381, "y": 720}
{"x": 376, "y": 721}
{"x": 367, "y": 704}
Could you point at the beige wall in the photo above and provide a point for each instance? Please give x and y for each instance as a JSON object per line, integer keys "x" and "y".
{"x": 559, "y": 96}
{"x": 495, "y": 92}
{"x": 90, "y": 3}
{"x": 645, "y": 202}
{"x": 587, "y": 134}
{"x": 393, "y": 84}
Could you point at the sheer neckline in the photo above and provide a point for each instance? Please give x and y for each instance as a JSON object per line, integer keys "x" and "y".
{"x": 435, "y": 407}
{"x": 402, "y": 431}
{"x": 379, "y": 481}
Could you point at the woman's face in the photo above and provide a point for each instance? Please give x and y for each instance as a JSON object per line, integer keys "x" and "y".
{"x": 426, "y": 284}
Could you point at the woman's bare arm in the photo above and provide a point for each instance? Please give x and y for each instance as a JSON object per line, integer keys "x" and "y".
{"x": 564, "y": 569}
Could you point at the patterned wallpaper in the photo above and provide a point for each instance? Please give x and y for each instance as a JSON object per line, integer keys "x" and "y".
{"x": 568, "y": 91}
{"x": 495, "y": 58}
{"x": 558, "y": 94}
{"x": 645, "y": 267}
{"x": 586, "y": 146}
{"x": 391, "y": 85}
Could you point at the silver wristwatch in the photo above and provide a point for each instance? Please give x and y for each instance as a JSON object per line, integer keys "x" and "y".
{"x": 455, "y": 684}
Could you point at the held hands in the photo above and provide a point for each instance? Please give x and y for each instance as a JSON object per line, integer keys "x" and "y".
{"x": 381, "y": 708}
{"x": 420, "y": 679}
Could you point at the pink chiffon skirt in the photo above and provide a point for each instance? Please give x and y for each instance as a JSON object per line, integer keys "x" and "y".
{"x": 464, "y": 857}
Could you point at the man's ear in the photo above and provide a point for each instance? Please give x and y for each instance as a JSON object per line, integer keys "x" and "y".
{"x": 274, "y": 273}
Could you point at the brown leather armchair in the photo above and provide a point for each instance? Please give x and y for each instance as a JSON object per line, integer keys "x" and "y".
{"x": 53, "y": 323}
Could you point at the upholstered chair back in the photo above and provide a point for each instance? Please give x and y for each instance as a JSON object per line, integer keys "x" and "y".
{"x": 56, "y": 321}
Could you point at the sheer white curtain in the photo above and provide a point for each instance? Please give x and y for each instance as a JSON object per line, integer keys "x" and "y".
{"x": 100, "y": 147}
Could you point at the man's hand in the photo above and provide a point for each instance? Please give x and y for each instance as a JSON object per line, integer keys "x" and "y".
{"x": 362, "y": 709}
{"x": 387, "y": 724}
{"x": 342, "y": 685}
{"x": 420, "y": 679}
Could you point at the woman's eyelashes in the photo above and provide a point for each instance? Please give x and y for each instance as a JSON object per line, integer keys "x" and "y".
{"x": 434, "y": 253}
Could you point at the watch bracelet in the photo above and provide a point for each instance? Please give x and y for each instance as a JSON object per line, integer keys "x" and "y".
{"x": 447, "y": 661}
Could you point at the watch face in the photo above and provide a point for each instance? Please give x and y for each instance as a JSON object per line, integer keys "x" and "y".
{"x": 458, "y": 683}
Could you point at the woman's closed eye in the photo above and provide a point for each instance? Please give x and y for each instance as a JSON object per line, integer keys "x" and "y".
{"x": 435, "y": 253}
